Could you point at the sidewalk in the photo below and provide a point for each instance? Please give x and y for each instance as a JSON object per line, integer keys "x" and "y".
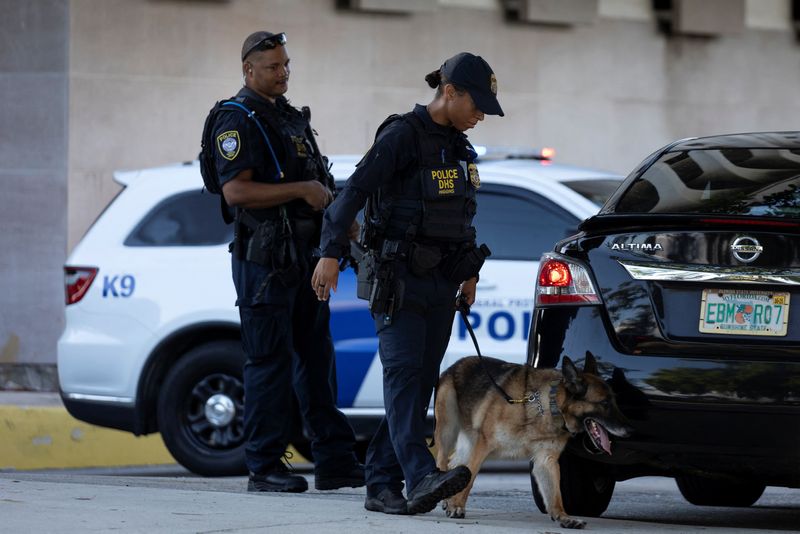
{"x": 36, "y": 432}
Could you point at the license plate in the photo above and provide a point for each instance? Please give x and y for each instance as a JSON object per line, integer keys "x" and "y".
{"x": 744, "y": 312}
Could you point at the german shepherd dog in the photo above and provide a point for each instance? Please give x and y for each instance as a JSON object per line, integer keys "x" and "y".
{"x": 474, "y": 419}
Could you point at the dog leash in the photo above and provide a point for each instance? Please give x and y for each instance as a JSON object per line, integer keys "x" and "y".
{"x": 463, "y": 309}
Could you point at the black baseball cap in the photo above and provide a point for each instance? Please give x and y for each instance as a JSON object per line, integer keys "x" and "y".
{"x": 472, "y": 73}
{"x": 262, "y": 40}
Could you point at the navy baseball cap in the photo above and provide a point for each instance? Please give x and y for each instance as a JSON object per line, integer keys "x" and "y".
{"x": 472, "y": 73}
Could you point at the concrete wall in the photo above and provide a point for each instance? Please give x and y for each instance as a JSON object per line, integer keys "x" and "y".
{"x": 144, "y": 73}
{"x": 136, "y": 78}
{"x": 33, "y": 177}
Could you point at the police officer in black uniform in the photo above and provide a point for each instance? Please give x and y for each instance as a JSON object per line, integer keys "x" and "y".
{"x": 418, "y": 182}
{"x": 273, "y": 176}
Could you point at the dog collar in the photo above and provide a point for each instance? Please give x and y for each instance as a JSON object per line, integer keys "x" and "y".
{"x": 535, "y": 397}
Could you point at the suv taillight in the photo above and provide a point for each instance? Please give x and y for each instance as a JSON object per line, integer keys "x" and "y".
{"x": 77, "y": 281}
{"x": 563, "y": 281}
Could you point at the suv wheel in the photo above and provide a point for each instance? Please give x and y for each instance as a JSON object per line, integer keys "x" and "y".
{"x": 704, "y": 491}
{"x": 586, "y": 487}
{"x": 200, "y": 409}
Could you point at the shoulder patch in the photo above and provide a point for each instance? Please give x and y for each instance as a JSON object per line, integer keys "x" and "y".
{"x": 228, "y": 144}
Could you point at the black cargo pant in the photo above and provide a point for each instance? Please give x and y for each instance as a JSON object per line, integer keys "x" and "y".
{"x": 411, "y": 351}
{"x": 287, "y": 341}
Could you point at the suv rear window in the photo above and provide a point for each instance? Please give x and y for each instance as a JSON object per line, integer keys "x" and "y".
{"x": 518, "y": 224}
{"x": 186, "y": 219}
{"x": 595, "y": 190}
{"x": 735, "y": 181}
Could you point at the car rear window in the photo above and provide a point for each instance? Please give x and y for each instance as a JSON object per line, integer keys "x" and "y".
{"x": 187, "y": 219}
{"x": 735, "y": 181}
{"x": 597, "y": 191}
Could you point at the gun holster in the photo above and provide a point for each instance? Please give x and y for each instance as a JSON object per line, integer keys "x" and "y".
{"x": 365, "y": 276}
{"x": 261, "y": 242}
{"x": 378, "y": 283}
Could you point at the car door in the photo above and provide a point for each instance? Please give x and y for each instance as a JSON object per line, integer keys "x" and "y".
{"x": 518, "y": 225}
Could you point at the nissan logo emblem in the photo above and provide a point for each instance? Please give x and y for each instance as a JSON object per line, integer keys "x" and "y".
{"x": 746, "y": 249}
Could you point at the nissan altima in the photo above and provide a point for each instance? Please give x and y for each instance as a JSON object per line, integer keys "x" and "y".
{"x": 685, "y": 287}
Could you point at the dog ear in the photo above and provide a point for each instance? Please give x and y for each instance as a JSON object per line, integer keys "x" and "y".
{"x": 572, "y": 379}
{"x": 590, "y": 364}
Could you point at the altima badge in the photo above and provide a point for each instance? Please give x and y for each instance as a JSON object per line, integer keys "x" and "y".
{"x": 647, "y": 247}
{"x": 746, "y": 249}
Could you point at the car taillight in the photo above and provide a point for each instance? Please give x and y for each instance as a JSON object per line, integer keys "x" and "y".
{"x": 77, "y": 281}
{"x": 562, "y": 281}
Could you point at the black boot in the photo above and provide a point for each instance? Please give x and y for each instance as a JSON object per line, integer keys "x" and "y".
{"x": 437, "y": 485}
{"x": 279, "y": 479}
{"x": 348, "y": 478}
{"x": 387, "y": 501}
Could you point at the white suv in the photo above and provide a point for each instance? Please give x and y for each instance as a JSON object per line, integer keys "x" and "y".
{"x": 152, "y": 335}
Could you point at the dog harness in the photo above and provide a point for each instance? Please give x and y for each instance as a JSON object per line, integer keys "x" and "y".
{"x": 530, "y": 398}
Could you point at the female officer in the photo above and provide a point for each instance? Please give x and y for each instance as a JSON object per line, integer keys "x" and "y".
{"x": 419, "y": 183}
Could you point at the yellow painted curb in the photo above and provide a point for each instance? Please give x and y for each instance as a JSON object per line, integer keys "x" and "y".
{"x": 47, "y": 437}
{"x": 41, "y": 437}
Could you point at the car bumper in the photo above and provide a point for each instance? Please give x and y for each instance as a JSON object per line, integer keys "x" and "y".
{"x": 106, "y": 412}
{"x": 690, "y": 414}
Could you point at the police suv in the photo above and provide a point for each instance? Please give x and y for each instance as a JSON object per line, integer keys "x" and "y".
{"x": 152, "y": 343}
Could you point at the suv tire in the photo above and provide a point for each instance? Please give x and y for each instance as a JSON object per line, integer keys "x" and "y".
{"x": 586, "y": 487}
{"x": 703, "y": 491}
{"x": 205, "y": 441}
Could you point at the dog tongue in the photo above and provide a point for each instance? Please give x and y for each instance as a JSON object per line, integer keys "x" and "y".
{"x": 598, "y": 435}
{"x": 605, "y": 443}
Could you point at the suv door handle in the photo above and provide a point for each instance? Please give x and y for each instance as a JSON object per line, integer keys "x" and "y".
{"x": 485, "y": 285}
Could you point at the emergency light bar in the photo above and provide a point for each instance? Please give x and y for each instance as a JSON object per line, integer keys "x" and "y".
{"x": 510, "y": 152}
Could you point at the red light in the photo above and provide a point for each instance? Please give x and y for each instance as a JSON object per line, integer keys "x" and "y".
{"x": 77, "y": 281}
{"x": 568, "y": 299}
{"x": 548, "y": 152}
{"x": 555, "y": 273}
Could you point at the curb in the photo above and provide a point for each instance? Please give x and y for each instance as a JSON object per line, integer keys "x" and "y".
{"x": 37, "y": 432}
{"x": 46, "y": 437}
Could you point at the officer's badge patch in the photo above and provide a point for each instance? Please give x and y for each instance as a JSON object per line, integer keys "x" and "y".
{"x": 228, "y": 144}
{"x": 300, "y": 146}
{"x": 493, "y": 84}
{"x": 474, "y": 177}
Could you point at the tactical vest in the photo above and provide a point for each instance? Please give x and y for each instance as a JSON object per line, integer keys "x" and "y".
{"x": 296, "y": 153}
{"x": 436, "y": 204}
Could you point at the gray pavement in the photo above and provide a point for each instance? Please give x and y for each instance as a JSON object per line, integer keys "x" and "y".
{"x": 158, "y": 501}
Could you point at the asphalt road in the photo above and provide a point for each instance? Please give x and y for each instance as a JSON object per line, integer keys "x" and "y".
{"x": 172, "y": 500}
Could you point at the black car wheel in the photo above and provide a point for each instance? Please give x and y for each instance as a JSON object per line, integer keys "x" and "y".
{"x": 586, "y": 487}
{"x": 703, "y": 491}
{"x": 200, "y": 409}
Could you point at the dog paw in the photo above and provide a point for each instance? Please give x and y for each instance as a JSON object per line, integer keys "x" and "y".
{"x": 570, "y": 522}
{"x": 452, "y": 510}
{"x": 457, "y": 513}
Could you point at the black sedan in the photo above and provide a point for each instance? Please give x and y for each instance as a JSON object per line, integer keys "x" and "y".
{"x": 686, "y": 290}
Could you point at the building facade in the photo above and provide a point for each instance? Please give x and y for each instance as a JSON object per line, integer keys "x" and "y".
{"x": 92, "y": 86}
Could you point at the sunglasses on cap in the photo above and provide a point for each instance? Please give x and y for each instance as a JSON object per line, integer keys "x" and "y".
{"x": 268, "y": 43}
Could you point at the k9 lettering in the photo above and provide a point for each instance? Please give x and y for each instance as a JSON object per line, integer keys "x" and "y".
{"x": 118, "y": 285}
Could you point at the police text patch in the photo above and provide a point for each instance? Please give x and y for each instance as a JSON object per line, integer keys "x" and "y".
{"x": 444, "y": 182}
{"x": 228, "y": 144}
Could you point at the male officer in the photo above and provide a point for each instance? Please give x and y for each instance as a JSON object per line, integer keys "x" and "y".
{"x": 419, "y": 181}
{"x": 271, "y": 173}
